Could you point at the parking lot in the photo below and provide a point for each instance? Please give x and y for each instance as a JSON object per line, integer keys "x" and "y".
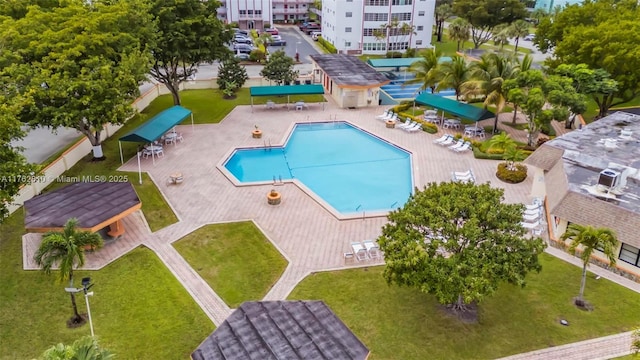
{"x": 295, "y": 40}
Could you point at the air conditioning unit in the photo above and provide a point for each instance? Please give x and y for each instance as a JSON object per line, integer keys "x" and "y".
{"x": 609, "y": 178}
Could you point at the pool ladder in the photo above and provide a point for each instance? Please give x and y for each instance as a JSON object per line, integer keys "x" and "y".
{"x": 277, "y": 182}
{"x": 267, "y": 147}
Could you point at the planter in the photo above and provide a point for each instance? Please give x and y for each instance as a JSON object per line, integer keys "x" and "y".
{"x": 257, "y": 134}
{"x": 390, "y": 124}
{"x": 274, "y": 198}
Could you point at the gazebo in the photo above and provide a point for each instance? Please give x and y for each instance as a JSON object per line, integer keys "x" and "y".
{"x": 454, "y": 107}
{"x": 282, "y": 330}
{"x": 96, "y": 205}
{"x": 288, "y": 90}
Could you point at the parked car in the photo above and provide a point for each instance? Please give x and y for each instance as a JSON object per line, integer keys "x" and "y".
{"x": 312, "y": 28}
{"x": 315, "y": 35}
{"x": 272, "y": 31}
{"x": 242, "y": 40}
{"x": 276, "y": 40}
{"x": 241, "y": 32}
{"x": 303, "y": 26}
{"x": 243, "y": 48}
{"x": 530, "y": 37}
{"x": 242, "y": 56}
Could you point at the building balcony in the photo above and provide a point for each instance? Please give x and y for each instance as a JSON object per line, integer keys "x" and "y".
{"x": 249, "y": 16}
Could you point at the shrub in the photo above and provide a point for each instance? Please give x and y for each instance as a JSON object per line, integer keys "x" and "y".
{"x": 495, "y": 151}
{"x": 541, "y": 141}
{"x": 267, "y": 25}
{"x": 479, "y": 154}
{"x": 402, "y": 107}
{"x": 548, "y": 130}
{"x": 512, "y": 176}
{"x": 257, "y": 55}
{"x": 410, "y": 52}
{"x": 327, "y": 45}
{"x": 393, "y": 54}
{"x": 234, "y": 25}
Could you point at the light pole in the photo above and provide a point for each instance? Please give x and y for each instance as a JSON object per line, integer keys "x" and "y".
{"x": 297, "y": 55}
{"x": 86, "y": 285}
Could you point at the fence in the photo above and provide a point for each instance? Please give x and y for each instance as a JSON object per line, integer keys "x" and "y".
{"x": 80, "y": 149}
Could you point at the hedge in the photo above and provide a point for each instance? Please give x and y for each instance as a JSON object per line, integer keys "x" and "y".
{"x": 327, "y": 45}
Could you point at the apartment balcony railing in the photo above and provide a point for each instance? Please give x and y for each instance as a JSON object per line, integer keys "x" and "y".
{"x": 249, "y": 16}
{"x": 289, "y": 11}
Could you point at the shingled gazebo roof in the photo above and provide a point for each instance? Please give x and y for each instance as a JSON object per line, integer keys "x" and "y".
{"x": 282, "y": 330}
{"x": 95, "y": 205}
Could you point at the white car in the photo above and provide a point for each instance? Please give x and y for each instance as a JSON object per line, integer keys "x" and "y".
{"x": 530, "y": 37}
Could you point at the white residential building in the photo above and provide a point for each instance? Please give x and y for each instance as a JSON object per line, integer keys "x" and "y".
{"x": 352, "y": 25}
{"x": 253, "y": 14}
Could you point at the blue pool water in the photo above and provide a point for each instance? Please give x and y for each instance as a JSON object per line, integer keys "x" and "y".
{"x": 350, "y": 169}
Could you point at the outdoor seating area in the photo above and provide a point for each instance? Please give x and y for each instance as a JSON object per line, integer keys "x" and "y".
{"x": 533, "y": 217}
{"x": 363, "y": 251}
{"x": 474, "y": 131}
{"x": 463, "y": 176}
{"x": 300, "y": 105}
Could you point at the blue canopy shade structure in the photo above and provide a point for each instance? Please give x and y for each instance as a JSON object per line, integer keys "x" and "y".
{"x": 288, "y": 90}
{"x": 454, "y": 107}
{"x": 153, "y": 129}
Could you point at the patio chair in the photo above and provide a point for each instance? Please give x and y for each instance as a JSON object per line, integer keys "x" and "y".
{"x": 416, "y": 128}
{"x": 457, "y": 145}
{"x": 465, "y": 147}
{"x": 406, "y": 124}
{"x": 532, "y": 207}
{"x": 449, "y": 141}
{"x": 179, "y": 137}
{"x": 530, "y": 226}
{"x": 373, "y": 250}
{"x": 532, "y": 212}
{"x": 383, "y": 116}
{"x": 359, "y": 251}
{"x": 442, "y": 138}
{"x": 390, "y": 115}
{"x": 531, "y": 218}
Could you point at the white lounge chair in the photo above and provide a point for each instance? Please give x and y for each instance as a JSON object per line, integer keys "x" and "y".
{"x": 383, "y": 115}
{"x": 373, "y": 250}
{"x": 531, "y": 218}
{"x": 530, "y": 226}
{"x": 409, "y": 125}
{"x": 457, "y": 145}
{"x": 448, "y": 142}
{"x": 415, "y": 128}
{"x": 359, "y": 251}
{"x": 532, "y": 212}
{"x": 532, "y": 207}
{"x": 400, "y": 125}
{"x": 442, "y": 138}
{"x": 465, "y": 147}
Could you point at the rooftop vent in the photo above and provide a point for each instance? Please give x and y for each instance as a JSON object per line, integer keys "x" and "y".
{"x": 626, "y": 134}
{"x": 609, "y": 178}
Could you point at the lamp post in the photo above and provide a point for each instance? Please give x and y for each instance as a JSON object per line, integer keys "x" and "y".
{"x": 86, "y": 285}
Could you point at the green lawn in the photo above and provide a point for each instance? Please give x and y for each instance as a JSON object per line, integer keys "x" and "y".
{"x": 235, "y": 259}
{"x": 592, "y": 107}
{"x": 139, "y": 310}
{"x": 403, "y": 323}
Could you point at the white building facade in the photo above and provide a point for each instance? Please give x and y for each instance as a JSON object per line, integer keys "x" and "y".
{"x": 377, "y": 26}
{"x": 254, "y": 14}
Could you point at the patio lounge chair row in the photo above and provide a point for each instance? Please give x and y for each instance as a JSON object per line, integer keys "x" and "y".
{"x": 463, "y": 176}
{"x": 366, "y": 250}
{"x": 387, "y": 115}
{"x": 456, "y": 145}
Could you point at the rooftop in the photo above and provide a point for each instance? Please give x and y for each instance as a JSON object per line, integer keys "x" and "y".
{"x": 349, "y": 71}
{"x": 94, "y": 204}
{"x": 282, "y": 330}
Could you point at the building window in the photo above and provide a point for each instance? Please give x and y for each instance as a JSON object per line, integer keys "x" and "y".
{"x": 629, "y": 254}
{"x": 377, "y": 16}
{"x": 376, "y": 2}
{"x": 374, "y": 46}
{"x": 242, "y": 12}
{"x": 348, "y": 14}
{"x": 258, "y": 12}
{"x": 420, "y": 28}
{"x": 418, "y": 42}
{"x": 347, "y": 44}
{"x": 250, "y": 12}
{"x": 349, "y": 0}
{"x": 400, "y": 16}
{"x": 420, "y": 13}
{"x": 402, "y": 2}
{"x": 347, "y": 29}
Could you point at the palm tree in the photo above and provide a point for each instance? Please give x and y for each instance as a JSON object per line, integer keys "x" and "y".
{"x": 487, "y": 77}
{"x": 459, "y": 31}
{"x": 66, "y": 248}
{"x": 443, "y": 12}
{"x": 589, "y": 239}
{"x": 523, "y": 65}
{"x": 426, "y": 69}
{"x": 85, "y": 348}
{"x": 517, "y": 30}
{"x": 501, "y": 35}
{"x": 454, "y": 73}
{"x": 511, "y": 153}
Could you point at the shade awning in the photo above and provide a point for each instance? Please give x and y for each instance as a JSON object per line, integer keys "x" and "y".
{"x": 286, "y": 90}
{"x": 153, "y": 129}
{"x": 454, "y": 107}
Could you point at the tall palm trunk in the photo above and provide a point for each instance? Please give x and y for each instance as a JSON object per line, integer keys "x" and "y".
{"x": 76, "y": 315}
{"x": 515, "y": 113}
{"x": 584, "y": 281}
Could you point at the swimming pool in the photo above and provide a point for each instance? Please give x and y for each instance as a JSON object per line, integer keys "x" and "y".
{"x": 351, "y": 170}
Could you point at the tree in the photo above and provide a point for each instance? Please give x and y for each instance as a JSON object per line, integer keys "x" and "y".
{"x": 588, "y": 239}
{"x": 485, "y": 15}
{"x": 517, "y": 30}
{"x": 459, "y": 31}
{"x": 74, "y": 79}
{"x": 542, "y": 98}
{"x": 454, "y": 73}
{"x": 279, "y": 68}
{"x": 66, "y": 249}
{"x": 443, "y": 12}
{"x": 15, "y": 171}
{"x": 602, "y": 34}
{"x": 501, "y": 36}
{"x": 458, "y": 241}
{"x": 538, "y": 15}
{"x": 231, "y": 72}
{"x": 509, "y": 147}
{"x": 85, "y": 348}
{"x": 426, "y": 70}
{"x": 487, "y": 77}
{"x": 189, "y": 34}
{"x": 595, "y": 83}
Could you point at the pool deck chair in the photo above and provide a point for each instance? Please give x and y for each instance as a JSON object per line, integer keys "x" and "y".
{"x": 359, "y": 250}
{"x": 373, "y": 250}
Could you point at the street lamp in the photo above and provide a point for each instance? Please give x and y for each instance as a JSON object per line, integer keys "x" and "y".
{"x": 86, "y": 285}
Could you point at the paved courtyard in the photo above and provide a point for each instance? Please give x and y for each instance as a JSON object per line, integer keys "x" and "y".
{"x": 307, "y": 234}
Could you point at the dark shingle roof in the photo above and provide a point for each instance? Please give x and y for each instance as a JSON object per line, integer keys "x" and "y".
{"x": 90, "y": 202}
{"x": 347, "y": 70}
{"x": 282, "y": 330}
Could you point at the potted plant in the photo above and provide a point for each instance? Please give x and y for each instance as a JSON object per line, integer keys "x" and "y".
{"x": 256, "y": 133}
{"x": 273, "y": 197}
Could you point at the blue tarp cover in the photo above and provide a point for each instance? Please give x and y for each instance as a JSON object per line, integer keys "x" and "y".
{"x": 153, "y": 129}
